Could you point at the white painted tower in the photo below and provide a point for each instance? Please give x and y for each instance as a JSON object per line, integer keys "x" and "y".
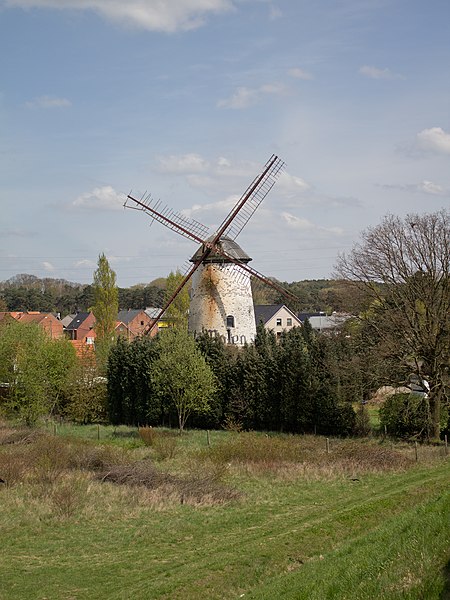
{"x": 221, "y": 296}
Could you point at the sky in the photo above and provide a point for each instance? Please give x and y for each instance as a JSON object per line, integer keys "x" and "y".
{"x": 188, "y": 99}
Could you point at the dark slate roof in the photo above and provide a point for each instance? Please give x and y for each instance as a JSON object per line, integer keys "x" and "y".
{"x": 264, "y": 312}
{"x": 78, "y": 320}
{"x": 307, "y": 315}
{"x": 126, "y": 316}
{"x": 229, "y": 246}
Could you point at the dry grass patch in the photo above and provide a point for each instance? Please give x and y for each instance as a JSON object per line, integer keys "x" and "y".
{"x": 165, "y": 443}
{"x": 85, "y": 455}
{"x": 22, "y": 435}
{"x": 309, "y": 456}
{"x": 14, "y": 466}
{"x": 204, "y": 488}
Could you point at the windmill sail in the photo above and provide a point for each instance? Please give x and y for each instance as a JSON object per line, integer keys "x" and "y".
{"x": 221, "y": 299}
{"x": 252, "y": 198}
{"x": 189, "y": 228}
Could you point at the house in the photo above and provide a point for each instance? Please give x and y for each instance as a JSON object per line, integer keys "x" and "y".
{"x": 132, "y": 323}
{"x": 320, "y": 321}
{"x": 153, "y": 312}
{"x": 81, "y": 329}
{"x": 67, "y": 320}
{"x": 276, "y": 317}
{"x": 47, "y": 321}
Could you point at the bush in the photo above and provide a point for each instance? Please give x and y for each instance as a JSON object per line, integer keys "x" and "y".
{"x": 407, "y": 416}
{"x": 147, "y": 435}
{"x": 362, "y": 421}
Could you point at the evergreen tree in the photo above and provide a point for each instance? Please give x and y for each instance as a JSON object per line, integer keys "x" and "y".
{"x": 221, "y": 359}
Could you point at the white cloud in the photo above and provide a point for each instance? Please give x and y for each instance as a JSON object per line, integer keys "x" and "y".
{"x": 244, "y": 97}
{"x": 184, "y": 163}
{"x": 291, "y": 185}
{"x": 152, "y": 15}
{"x": 49, "y": 102}
{"x": 432, "y": 188}
{"x": 202, "y": 173}
{"x": 48, "y": 266}
{"x": 434, "y": 139}
{"x": 376, "y": 73}
{"x": 85, "y": 263}
{"x": 299, "y": 73}
{"x": 425, "y": 186}
{"x": 222, "y": 207}
{"x": 103, "y": 198}
{"x": 305, "y": 225}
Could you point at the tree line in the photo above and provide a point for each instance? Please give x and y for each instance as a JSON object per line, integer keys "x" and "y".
{"x": 398, "y": 275}
{"x": 27, "y": 292}
{"x": 292, "y": 384}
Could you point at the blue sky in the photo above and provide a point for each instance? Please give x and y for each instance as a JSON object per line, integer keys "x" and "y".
{"x": 187, "y": 99}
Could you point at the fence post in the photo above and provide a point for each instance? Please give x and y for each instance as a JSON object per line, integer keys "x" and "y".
{"x": 328, "y": 446}
{"x": 416, "y": 452}
{"x": 445, "y": 444}
{"x": 207, "y": 438}
{"x": 98, "y": 431}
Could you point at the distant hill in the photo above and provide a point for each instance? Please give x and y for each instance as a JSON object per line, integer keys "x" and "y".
{"x": 28, "y": 292}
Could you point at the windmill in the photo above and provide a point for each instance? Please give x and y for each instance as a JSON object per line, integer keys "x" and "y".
{"x": 221, "y": 297}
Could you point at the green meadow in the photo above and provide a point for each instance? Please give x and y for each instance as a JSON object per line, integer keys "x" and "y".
{"x": 101, "y": 512}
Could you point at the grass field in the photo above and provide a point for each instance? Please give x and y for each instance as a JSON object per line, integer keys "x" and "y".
{"x": 249, "y": 515}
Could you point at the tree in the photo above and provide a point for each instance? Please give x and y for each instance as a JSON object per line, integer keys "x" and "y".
{"x": 132, "y": 395}
{"x": 404, "y": 266}
{"x": 105, "y": 309}
{"x": 182, "y": 375}
{"x": 177, "y": 312}
{"x": 87, "y": 401}
{"x": 36, "y": 368}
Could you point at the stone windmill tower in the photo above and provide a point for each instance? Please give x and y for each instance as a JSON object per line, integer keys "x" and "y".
{"x": 221, "y": 297}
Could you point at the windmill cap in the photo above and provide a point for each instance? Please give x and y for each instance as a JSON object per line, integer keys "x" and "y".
{"x": 228, "y": 245}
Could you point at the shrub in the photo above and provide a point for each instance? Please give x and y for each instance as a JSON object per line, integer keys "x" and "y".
{"x": 13, "y": 466}
{"x": 165, "y": 446}
{"x": 68, "y": 496}
{"x": 94, "y": 457}
{"x": 147, "y": 435}
{"x": 51, "y": 458}
{"x": 362, "y": 421}
{"x": 407, "y": 416}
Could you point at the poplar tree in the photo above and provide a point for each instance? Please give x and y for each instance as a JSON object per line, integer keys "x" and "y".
{"x": 177, "y": 313}
{"x": 105, "y": 309}
{"x": 106, "y": 299}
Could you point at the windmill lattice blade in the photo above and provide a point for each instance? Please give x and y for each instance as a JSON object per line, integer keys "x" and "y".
{"x": 189, "y": 228}
{"x": 251, "y": 271}
{"x": 253, "y": 196}
{"x": 187, "y": 277}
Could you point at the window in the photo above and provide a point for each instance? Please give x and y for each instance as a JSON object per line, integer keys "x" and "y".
{"x": 230, "y": 321}
{"x": 289, "y": 322}
{"x": 279, "y": 323}
{"x": 142, "y": 322}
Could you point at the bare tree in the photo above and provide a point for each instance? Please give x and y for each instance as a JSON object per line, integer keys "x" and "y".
{"x": 404, "y": 264}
